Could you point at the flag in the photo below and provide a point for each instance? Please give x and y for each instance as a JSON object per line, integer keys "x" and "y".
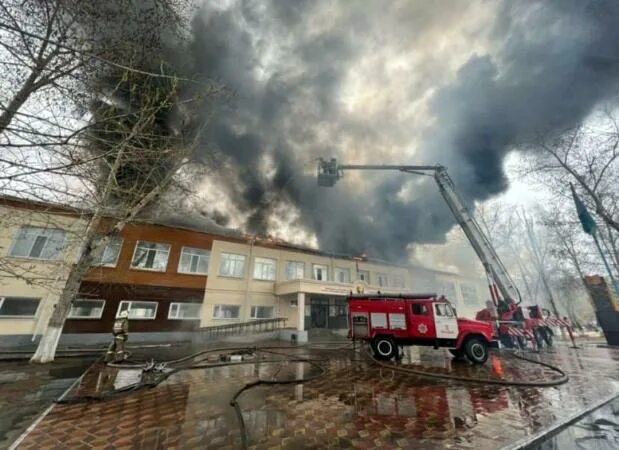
{"x": 587, "y": 222}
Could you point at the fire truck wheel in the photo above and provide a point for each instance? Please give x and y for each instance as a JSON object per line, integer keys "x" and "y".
{"x": 384, "y": 347}
{"x": 476, "y": 350}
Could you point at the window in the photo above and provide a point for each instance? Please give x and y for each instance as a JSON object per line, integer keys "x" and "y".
{"x": 469, "y": 294}
{"x": 226, "y": 312}
{"x": 447, "y": 289}
{"x": 184, "y": 311}
{"x": 381, "y": 279}
{"x": 397, "y": 321}
{"x": 420, "y": 309}
{"x": 443, "y": 310}
{"x": 342, "y": 275}
{"x": 378, "y": 320}
{"x": 261, "y": 312}
{"x": 194, "y": 260}
{"x": 109, "y": 258}
{"x": 232, "y": 265}
{"x": 138, "y": 310}
{"x": 40, "y": 243}
{"x": 18, "y": 306}
{"x": 86, "y": 309}
{"x": 151, "y": 256}
{"x": 399, "y": 281}
{"x": 363, "y": 275}
{"x": 264, "y": 268}
{"x": 321, "y": 272}
{"x": 295, "y": 270}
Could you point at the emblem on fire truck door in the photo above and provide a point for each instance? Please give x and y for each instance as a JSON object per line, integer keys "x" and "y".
{"x": 422, "y": 328}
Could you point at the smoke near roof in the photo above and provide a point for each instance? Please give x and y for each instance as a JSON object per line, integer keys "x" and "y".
{"x": 456, "y": 83}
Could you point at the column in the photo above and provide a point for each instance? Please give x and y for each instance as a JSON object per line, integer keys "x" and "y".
{"x": 300, "y": 311}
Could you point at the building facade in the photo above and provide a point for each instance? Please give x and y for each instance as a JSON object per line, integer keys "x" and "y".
{"x": 173, "y": 281}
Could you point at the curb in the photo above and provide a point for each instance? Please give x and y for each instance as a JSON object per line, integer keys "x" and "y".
{"x": 557, "y": 427}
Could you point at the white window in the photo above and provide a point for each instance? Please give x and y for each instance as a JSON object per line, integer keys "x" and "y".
{"x": 341, "y": 275}
{"x": 443, "y": 310}
{"x": 399, "y": 281}
{"x": 184, "y": 311}
{"x": 39, "y": 243}
{"x": 194, "y": 260}
{"x": 397, "y": 321}
{"x": 138, "y": 310}
{"x": 86, "y": 309}
{"x": 265, "y": 268}
{"x": 381, "y": 279}
{"x": 295, "y": 270}
{"x": 321, "y": 272}
{"x": 226, "y": 312}
{"x": 109, "y": 258}
{"x": 469, "y": 294}
{"x": 378, "y": 320}
{"x": 151, "y": 256}
{"x": 18, "y": 307}
{"x": 232, "y": 265}
{"x": 261, "y": 312}
{"x": 447, "y": 289}
{"x": 363, "y": 275}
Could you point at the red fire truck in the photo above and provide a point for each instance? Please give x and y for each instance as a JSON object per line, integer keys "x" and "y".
{"x": 389, "y": 321}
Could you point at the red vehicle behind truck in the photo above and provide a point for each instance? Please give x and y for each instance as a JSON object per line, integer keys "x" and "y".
{"x": 390, "y": 321}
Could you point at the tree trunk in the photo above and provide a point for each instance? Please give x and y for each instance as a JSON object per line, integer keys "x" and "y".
{"x": 46, "y": 350}
{"x": 19, "y": 99}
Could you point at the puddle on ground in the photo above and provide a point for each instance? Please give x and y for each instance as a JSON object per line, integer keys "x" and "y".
{"x": 353, "y": 404}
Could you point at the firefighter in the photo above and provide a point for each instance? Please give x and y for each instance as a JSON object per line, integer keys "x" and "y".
{"x": 116, "y": 351}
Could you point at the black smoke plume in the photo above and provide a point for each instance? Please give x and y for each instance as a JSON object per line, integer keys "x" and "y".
{"x": 542, "y": 65}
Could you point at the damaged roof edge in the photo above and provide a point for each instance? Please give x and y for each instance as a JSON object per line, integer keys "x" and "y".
{"x": 209, "y": 227}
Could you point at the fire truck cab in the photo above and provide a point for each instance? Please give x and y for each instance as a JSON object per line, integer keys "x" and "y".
{"x": 389, "y": 321}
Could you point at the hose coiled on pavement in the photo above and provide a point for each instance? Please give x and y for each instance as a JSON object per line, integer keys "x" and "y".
{"x": 444, "y": 376}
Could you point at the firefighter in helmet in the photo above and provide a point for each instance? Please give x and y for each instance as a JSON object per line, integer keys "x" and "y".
{"x": 116, "y": 351}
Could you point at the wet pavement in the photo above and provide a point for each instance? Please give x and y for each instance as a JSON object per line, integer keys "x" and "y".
{"x": 352, "y": 402}
{"x": 598, "y": 430}
{"x": 26, "y": 390}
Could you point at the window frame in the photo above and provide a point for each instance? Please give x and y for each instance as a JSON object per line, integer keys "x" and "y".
{"x": 91, "y": 300}
{"x": 180, "y": 258}
{"x": 226, "y": 318}
{"x": 135, "y": 249}
{"x": 254, "y": 308}
{"x": 38, "y": 258}
{"x": 120, "y": 248}
{"x": 378, "y": 277}
{"x": 364, "y": 272}
{"x": 129, "y": 309}
{"x": 296, "y": 267}
{"x": 337, "y": 270}
{"x": 198, "y": 317}
{"x": 13, "y": 316}
{"x": 221, "y": 260}
{"x": 315, "y": 266}
{"x": 264, "y": 259}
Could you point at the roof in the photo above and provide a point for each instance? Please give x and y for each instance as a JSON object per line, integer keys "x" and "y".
{"x": 201, "y": 224}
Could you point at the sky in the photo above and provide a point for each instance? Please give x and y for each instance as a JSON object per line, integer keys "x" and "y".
{"x": 459, "y": 83}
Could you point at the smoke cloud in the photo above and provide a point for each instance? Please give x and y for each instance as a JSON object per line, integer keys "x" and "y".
{"x": 456, "y": 83}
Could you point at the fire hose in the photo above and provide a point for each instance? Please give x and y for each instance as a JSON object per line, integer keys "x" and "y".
{"x": 164, "y": 370}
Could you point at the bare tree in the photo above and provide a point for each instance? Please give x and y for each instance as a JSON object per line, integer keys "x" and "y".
{"x": 92, "y": 116}
{"x": 144, "y": 139}
{"x": 586, "y": 155}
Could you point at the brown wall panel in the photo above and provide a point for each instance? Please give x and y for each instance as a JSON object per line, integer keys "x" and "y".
{"x": 113, "y": 294}
{"x": 175, "y": 237}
